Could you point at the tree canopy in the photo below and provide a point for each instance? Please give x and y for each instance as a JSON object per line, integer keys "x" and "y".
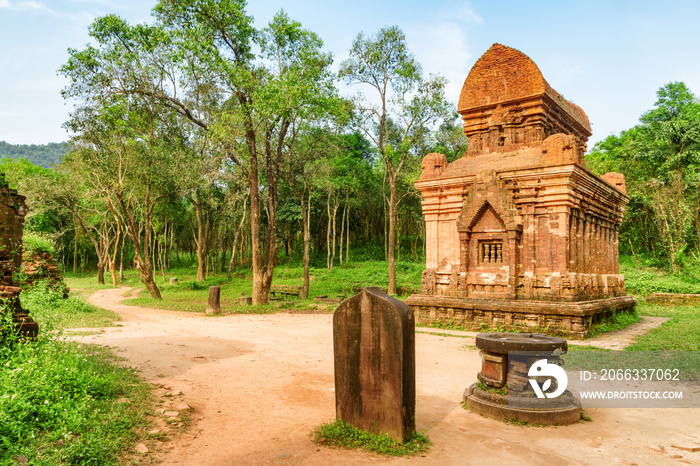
{"x": 205, "y": 135}
{"x": 660, "y": 158}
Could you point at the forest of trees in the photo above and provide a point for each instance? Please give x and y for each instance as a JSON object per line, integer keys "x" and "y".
{"x": 660, "y": 158}
{"x": 202, "y": 139}
{"x": 44, "y": 155}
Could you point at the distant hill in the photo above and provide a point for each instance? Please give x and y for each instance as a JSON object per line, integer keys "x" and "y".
{"x": 44, "y": 155}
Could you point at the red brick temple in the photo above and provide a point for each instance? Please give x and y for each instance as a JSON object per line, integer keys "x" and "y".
{"x": 519, "y": 234}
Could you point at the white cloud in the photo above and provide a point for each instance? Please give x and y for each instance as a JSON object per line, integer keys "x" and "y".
{"x": 39, "y": 7}
{"x": 442, "y": 45}
{"x": 465, "y": 13}
{"x": 24, "y": 6}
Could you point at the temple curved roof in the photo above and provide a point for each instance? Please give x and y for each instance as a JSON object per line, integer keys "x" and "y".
{"x": 504, "y": 74}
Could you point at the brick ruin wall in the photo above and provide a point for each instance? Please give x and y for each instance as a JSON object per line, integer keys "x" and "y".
{"x": 12, "y": 212}
{"x": 13, "y": 209}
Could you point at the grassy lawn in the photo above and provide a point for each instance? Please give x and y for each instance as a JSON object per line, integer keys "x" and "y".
{"x": 681, "y": 333}
{"x": 191, "y": 296}
{"x": 53, "y": 312}
{"x": 58, "y": 399}
{"x": 642, "y": 279}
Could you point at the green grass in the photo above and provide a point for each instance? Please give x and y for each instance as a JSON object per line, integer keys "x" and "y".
{"x": 680, "y": 333}
{"x": 582, "y": 348}
{"x": 33, "y": 241}
{"x": 618, "y": 321}
{"x": 674, "y": 345}
{"x": 58, "y": 398}
{"x": 642, "y": 279}
{"x": 87, "y": 285}
{"x": 190, "y": 296}
{"x": 685, "y": 365}
{"x": 440, "y": 334}
{"x": 341, "y": 434}
{"x": 48, "y": 308}
{"x": 447, "y": 325}
{"x": 57, "y": 404}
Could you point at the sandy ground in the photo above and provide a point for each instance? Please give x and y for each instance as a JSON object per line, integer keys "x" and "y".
{"x": 259, "y": 384}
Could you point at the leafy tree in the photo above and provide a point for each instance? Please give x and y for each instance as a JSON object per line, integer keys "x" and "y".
{"x": 449, "y": 139}
{"x": 660, "y": 158}
{"x": 124, "y": 147}
{"x": 28, "y": 179}
{"x": 304, "y": 163}
{"x": 199, "y": 62}
{"x": 402, "y": 109}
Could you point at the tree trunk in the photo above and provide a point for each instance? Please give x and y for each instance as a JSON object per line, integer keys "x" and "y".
{"x": 238, "y": 234}
{"x": 335, "y": 216}
{"x": 263, "y": 265}
{"x": 100, "y": 273}
{"x": 391, "y": 248}
{"x": 342, "y": 229}
{"x": 260, "y": 290}
{"x": 162, "y": 248}
{"x": 75, "y": 250}
{"x": 153, "y": 251}
{"x": 306, "y": 227}
{"x": 113, "y": 259}
{"x": 170, "y": 249}
{"x": 224, "y": 252}
{"x": 121, "y": 262}
{"x": 142, "y": 260}
{"x": 200, "y": 239}
{"x": 215, "y": 254}
{"x": 99, "y": 248}
{"x": 329, "y": 264}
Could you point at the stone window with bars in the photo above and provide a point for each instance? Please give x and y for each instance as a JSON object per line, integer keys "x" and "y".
{"x": 491, "y": 252}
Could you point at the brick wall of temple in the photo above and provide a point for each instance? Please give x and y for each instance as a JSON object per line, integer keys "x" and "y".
{"x": 567, "y": 248}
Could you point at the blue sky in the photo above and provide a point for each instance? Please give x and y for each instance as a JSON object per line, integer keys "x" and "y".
{"x": 609, "y": 57}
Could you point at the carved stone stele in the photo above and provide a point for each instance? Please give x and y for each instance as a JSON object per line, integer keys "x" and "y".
{"x": 374, "y": 354}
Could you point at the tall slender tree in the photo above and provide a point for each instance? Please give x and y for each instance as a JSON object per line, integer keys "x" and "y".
{"x": 404, "y": 105}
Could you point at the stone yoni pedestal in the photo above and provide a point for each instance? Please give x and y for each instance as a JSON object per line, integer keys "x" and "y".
{"x": 374, "y": 350}
{"x": 505, "y": 391}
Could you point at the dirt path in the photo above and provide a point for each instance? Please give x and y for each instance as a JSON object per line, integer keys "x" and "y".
{"x": 260, "y": 383}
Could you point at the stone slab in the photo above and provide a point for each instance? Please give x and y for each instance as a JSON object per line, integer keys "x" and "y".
{"x": 374, "y": 354}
